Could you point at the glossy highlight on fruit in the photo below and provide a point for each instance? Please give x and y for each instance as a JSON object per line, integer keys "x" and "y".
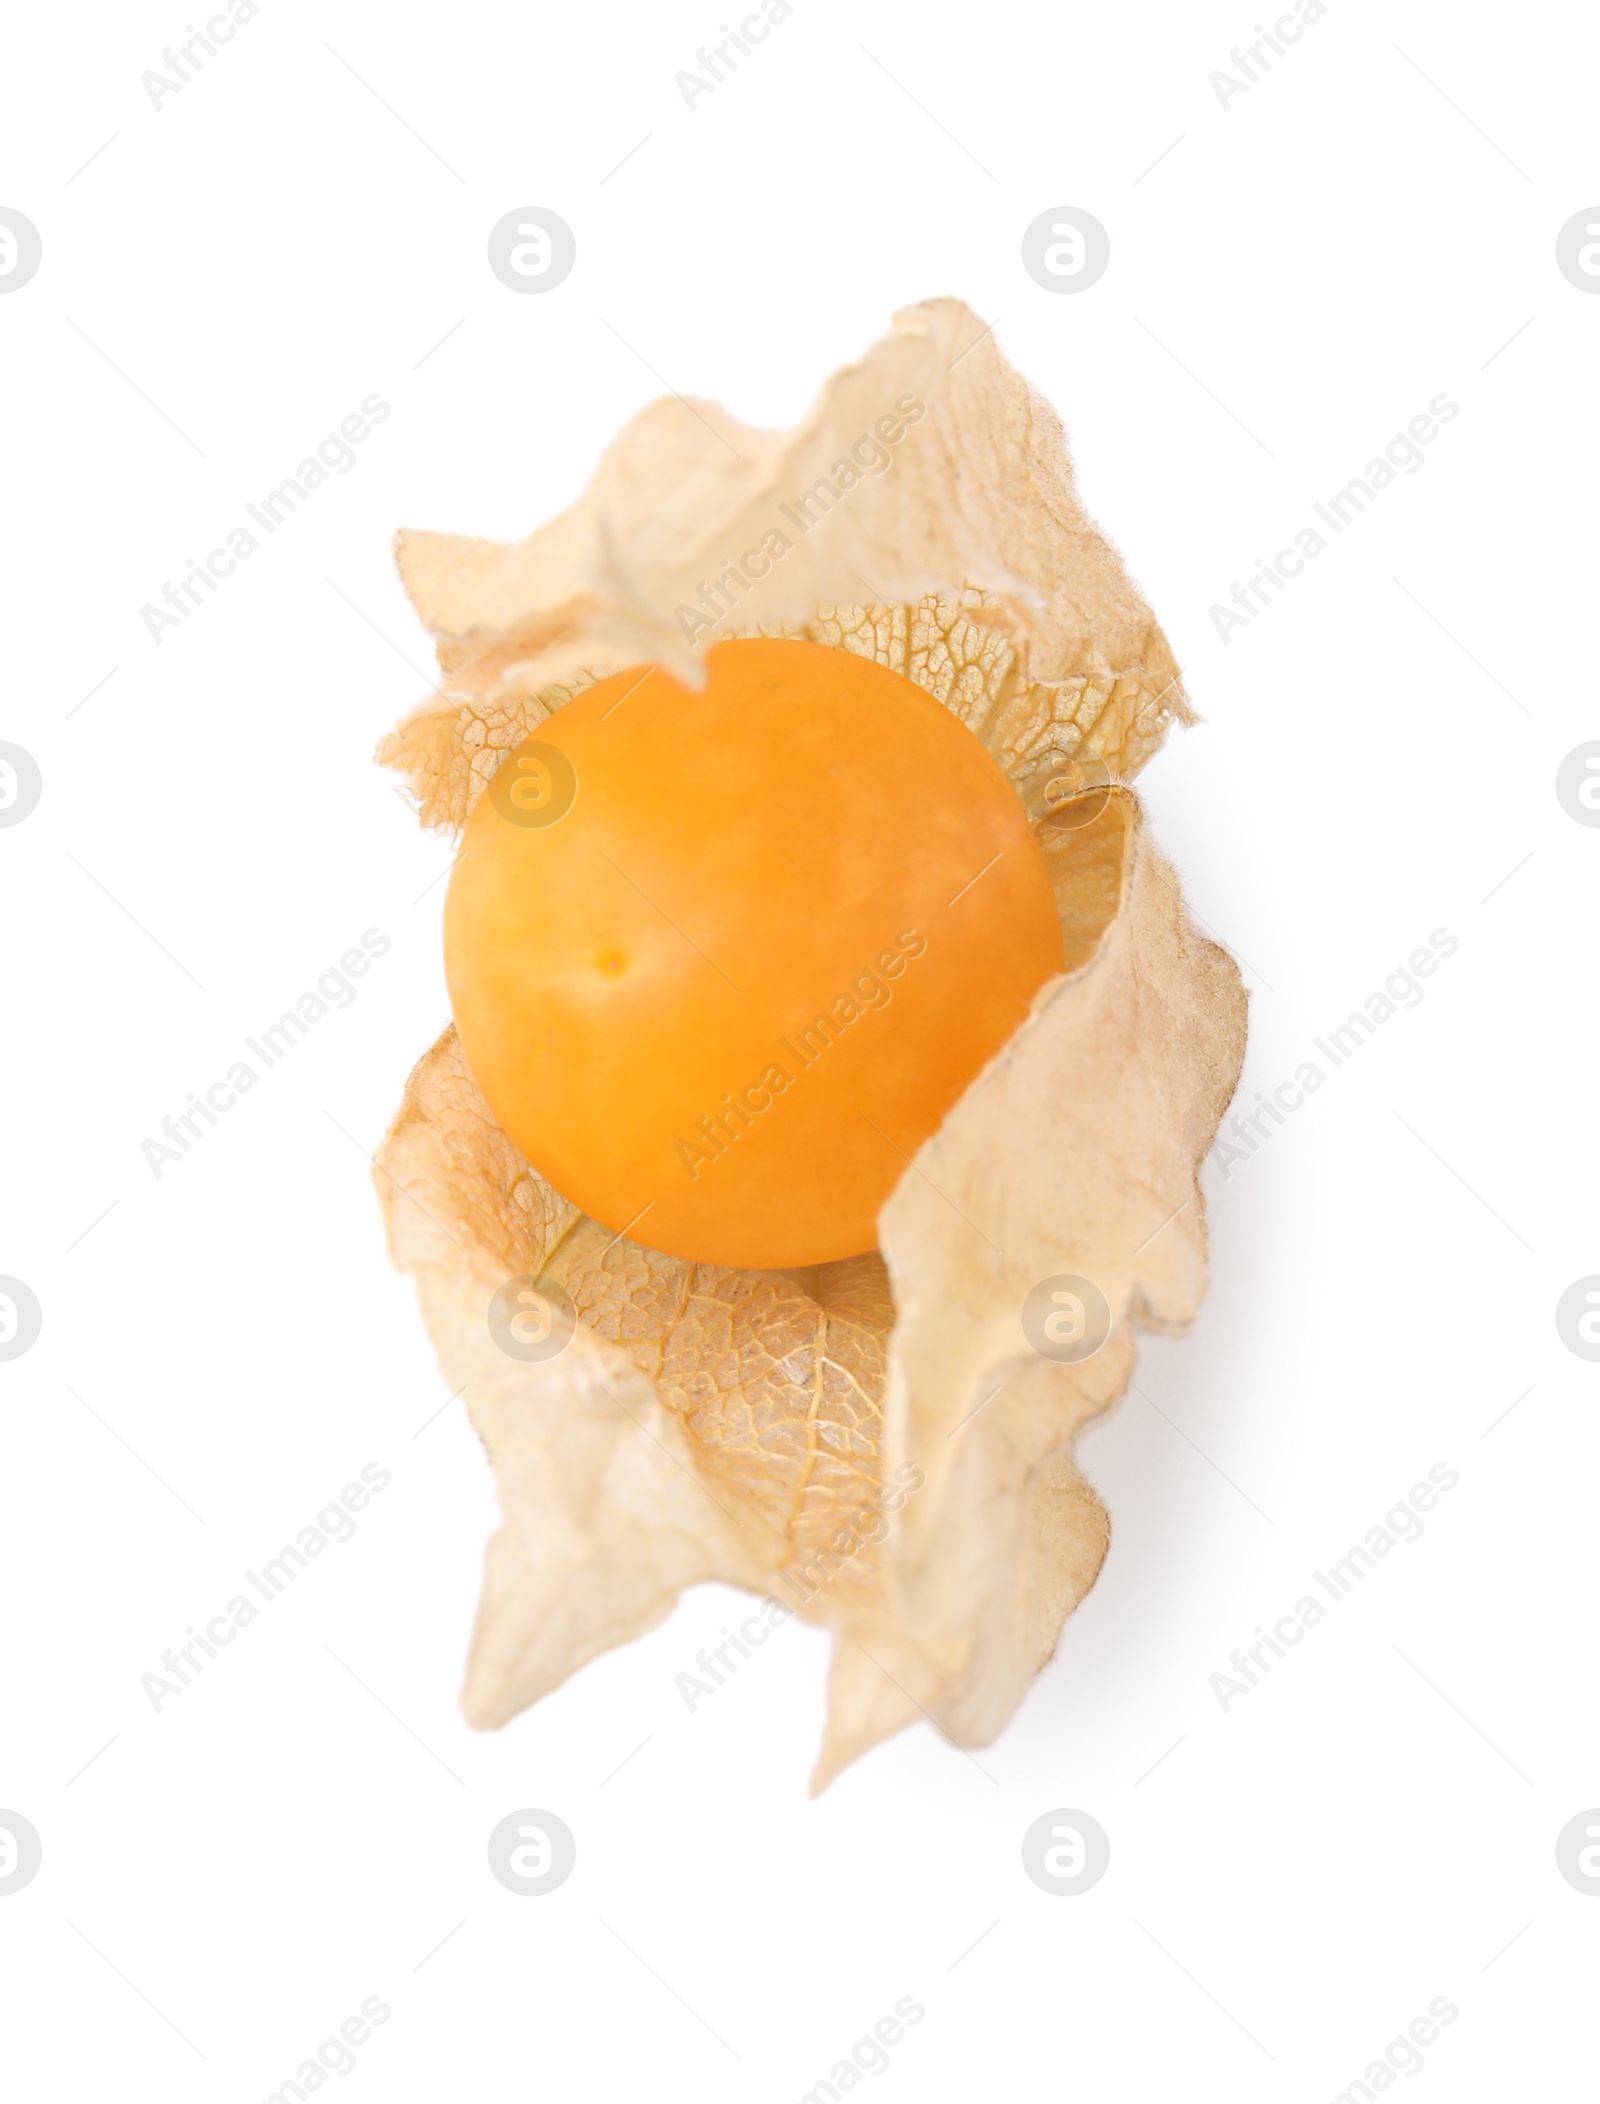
{"x": 722, "y": 959}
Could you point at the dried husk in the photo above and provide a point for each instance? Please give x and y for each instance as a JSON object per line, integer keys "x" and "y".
{"x": 758, "y": 1427}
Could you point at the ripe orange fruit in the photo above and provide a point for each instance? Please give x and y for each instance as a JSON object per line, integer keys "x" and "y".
{"x": 721, "y": 960}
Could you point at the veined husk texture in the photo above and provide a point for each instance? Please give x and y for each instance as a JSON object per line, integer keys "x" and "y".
{"x": 874, "y": 1441}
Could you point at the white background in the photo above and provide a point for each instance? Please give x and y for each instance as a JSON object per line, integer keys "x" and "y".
{"x": 1371, "y": 224}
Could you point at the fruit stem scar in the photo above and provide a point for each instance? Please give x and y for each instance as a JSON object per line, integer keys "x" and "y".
{"x": 671, "y": 923}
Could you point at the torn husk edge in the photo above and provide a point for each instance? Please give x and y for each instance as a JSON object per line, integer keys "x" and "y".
{"x": 1063, "y": 657}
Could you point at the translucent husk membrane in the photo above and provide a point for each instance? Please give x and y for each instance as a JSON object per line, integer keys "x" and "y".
{"x": 874, "y": 1442}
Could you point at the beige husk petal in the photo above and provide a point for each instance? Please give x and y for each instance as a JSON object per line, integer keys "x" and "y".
{"x": 979, "y": 491}
{"x": 1075, "y": 1154}
{"x": 894, "y": 1464}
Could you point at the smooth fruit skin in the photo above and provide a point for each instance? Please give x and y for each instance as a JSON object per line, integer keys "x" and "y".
{"x": 721, "y": 960}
